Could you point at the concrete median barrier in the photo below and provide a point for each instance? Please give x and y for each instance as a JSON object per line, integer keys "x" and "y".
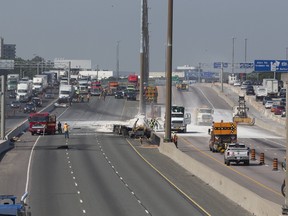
{"x": 240, "y": 195}
{"x": 18, "y": 130}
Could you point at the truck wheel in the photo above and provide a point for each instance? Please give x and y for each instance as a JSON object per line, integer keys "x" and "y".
{"x": 32, "y": 134}
{"x": 246, "y": 163}
{"x": 228, "y": 163}
{"x": 225, "y": 162}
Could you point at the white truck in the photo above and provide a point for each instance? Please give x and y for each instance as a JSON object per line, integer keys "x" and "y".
{"x": 271, "y": 86}
{"x": 40, "y": 83}
{"x": 236, "y": 152}
{"x": 37, "y": 84}
{"x": 66, "y": 91}
{"x": 24, "y": 91}
{"x": 204, "y": 116}
{"x": 260, "y": 93}
{"x": 12, "y": 81}
{"x": 179, "y": 119}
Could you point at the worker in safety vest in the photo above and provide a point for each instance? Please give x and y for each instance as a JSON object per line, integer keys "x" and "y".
{"x": 66, "y": 130}
{"x": 175, "y": 140}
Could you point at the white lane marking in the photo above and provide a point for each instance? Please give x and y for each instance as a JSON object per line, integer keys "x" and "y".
{"x": 29, "y": 164}
{"x": 122, "y": 180}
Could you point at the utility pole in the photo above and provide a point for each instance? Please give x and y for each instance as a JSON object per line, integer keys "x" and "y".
{"x": 3, "y": 107}
{"x": 285, "y": 206}
{"x": 233, "y": 43}
{"x": 142, "y": 69}
{"x": 69, "y": 71}
{"x": 167, "y": 137}
{"x": 117, "y": 61}
{"x": 144, "y": 55}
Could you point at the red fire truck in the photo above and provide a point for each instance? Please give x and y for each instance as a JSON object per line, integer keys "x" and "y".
{"x": 133, "y": 79}
{"x": 96, "y": 88}
{"x": 42, "y": 123}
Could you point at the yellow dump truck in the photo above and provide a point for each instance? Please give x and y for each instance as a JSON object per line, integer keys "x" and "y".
{"x": 151, "y": 94}
{"x": 221, "y": 134}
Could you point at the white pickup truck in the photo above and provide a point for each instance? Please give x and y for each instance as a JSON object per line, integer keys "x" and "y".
{"x": 236, "y": 152}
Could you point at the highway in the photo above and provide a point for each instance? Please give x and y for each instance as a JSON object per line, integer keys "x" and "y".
{"x": 261, "y": 179}
{"x": 98, "y": 172}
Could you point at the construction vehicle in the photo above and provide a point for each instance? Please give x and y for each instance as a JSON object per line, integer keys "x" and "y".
{"x": 42, "y": 123}
{"x": 112, "y": 87}
{"x": 151, "y": 94}
{"x": 182, "y": 86}
{"x": 8, "y": 206}
{"x": 240, "y": 115}
{"x": 221, "y": 134}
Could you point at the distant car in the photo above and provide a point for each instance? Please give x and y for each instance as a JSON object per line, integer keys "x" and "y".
{"x": 131, "y": 96}
{"x": 265, "y": 99}
{"x": 237, "y": 83}
{"x": 282, "y": 92}
{"x": 12, "y": 94}
{"x": 15, "y": 104}
{"x": 24, "y": 99}
{"x": 119, "y": 94}
{"x": 29, "y": 107}
{"x": 283, "y": 101}
{"x": 273, "y": 107}
{"x": 37, "y": 101}
{"x": 250, "y": 90}
{"x": 268, "y": 104}
{"x": 49, "y": 96}
{"x": 245, "y": 84}
{"x": 278, "y": 110}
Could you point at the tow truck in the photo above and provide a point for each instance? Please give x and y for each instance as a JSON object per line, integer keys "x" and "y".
{"x": 9, "y": 207}
{"x": 42, "y": 123}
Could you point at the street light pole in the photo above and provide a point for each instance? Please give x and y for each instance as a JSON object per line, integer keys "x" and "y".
{"x": 117, "y": 62}
{"x": 233, "y": 44}
{"x": 169, "y": 72}
{"x": 245, "y": 57}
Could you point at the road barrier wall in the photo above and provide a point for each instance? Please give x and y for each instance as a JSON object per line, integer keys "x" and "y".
{"x": 280, "y": 130}
{"x": 240, "y": 195}
{"x": 11, "y": 136}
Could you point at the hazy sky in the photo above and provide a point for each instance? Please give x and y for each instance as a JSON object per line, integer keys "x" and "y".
{"x": 90, "y": 29}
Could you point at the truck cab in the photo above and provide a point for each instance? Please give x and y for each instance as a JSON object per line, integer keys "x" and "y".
{"x": 179, "y": 119}
{"x": 9, "y": 207}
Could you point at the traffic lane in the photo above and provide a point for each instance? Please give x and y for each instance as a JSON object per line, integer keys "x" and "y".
{"x": 15, "y": 116}
{"x": 52, "y": 189}
{"x": 13, "y": 166}
{"x": 98, "y": 109}
{"x": 102, "y": 189}
{"x": 152, "y": 190}
{"x": 191, "y": 185}
{"x": 260, "y": 179}
{"x": 210, "y": 97}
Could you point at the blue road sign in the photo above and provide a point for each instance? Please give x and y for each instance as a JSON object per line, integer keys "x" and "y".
{"x": 271, "y": 65}
{"x": 207, "y": 74}
{"x": 219, "y": 64}
{"x": 246, "y": 65}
